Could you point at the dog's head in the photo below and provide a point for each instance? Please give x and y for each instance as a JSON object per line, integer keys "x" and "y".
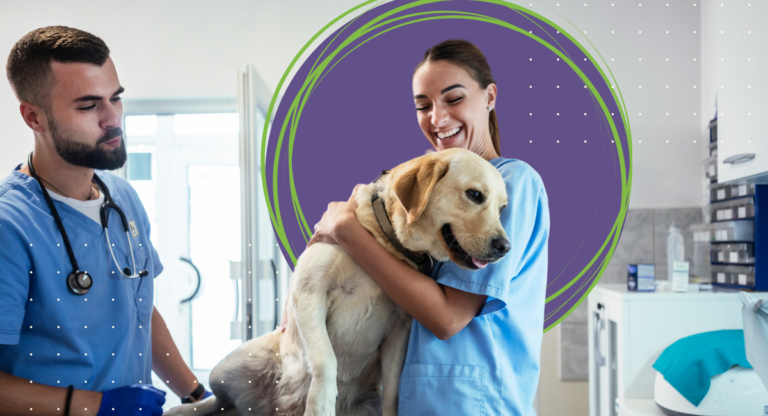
{"x": 449, "y": 207}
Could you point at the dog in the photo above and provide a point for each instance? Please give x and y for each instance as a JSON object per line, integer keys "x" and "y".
{"x": 344, "y": 347}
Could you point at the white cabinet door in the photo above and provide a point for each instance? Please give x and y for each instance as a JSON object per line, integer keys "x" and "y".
{"x": 742, "y": 90}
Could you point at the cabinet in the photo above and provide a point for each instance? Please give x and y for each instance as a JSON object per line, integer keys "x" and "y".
{"x": 629, "y": 330}
{"x": 742, "y": 90}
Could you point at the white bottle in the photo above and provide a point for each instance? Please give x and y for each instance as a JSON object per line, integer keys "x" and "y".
{"x": 675, "y": 249}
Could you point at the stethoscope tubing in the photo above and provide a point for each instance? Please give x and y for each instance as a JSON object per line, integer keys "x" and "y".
{"x": 67, "y": 244}
{"x": 133, "y": 260}
{"x": 104, "y": 217}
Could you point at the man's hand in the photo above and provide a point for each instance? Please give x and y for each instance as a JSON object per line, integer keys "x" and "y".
{"x": 206, "y": 394}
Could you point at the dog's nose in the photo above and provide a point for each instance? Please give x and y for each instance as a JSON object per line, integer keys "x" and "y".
{"x": 501, "y": 245}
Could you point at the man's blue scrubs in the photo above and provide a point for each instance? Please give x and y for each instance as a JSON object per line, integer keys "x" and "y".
{"x": 97, "y": 341}
{"x": 491, "y": 367}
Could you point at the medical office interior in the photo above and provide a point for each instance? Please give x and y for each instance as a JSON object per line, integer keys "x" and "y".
{"x": 198, "y": 74}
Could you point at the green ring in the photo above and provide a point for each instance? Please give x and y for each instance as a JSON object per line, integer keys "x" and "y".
{"x": 320, "y": 68}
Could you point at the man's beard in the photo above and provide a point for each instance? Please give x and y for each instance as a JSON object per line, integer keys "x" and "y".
{"x": 93, "y": 157}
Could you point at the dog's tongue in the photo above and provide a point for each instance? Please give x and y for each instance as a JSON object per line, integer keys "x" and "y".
{"x": 479, "y": 263}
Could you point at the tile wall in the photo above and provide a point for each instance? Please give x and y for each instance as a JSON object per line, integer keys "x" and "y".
{"x": 643, "y": 240}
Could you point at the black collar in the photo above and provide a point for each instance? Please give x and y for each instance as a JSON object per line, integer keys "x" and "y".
{"x": 423, "y": 261}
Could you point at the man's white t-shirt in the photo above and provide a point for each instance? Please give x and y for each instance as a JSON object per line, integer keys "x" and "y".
{"x": 90, "y": 209}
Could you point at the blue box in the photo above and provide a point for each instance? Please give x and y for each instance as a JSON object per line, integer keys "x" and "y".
{"x": 641, "y": 277}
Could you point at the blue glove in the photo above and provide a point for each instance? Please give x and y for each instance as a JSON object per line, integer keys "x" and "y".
{"x": 126, "y": 401}
{"x": 206, "y": 395}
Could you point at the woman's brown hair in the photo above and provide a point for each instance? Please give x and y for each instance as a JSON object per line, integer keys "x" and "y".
{"x": 467, "y": 56}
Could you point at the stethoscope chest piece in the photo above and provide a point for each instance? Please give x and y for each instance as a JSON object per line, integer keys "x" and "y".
{"x": 79, "y": 282}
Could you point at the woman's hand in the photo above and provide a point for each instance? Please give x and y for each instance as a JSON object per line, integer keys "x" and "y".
{"x": 338, "y": 216}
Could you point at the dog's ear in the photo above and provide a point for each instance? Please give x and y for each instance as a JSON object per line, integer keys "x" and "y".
{"x": 415, "y": 184}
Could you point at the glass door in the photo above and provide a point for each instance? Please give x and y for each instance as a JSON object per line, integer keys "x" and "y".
{"x": 265, "y": 273}
{"x": 186, "y": 171}
{"x": 199, "y": 179}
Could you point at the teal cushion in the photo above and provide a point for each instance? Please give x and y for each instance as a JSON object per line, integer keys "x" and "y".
{"x": 689, "y": 363}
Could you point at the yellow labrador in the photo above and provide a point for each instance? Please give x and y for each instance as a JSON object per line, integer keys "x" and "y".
{"x": 346, "y": 340}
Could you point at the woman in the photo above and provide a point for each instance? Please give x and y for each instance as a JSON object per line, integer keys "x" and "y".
{"x": 475, "y": 343}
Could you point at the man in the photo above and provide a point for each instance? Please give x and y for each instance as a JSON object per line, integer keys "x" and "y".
{"x": 82, "y": 343}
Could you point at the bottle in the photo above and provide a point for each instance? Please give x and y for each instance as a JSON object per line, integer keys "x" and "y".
{"x": 675, "y": 249}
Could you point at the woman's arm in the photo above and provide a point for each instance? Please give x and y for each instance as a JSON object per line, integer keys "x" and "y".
{"x": 442, "y": 309}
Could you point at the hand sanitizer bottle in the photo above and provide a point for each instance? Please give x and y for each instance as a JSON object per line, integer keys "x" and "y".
{"x": 675, "y": 249}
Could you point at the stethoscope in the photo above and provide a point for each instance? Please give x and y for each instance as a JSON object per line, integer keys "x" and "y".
{"x": 79, "y": 282}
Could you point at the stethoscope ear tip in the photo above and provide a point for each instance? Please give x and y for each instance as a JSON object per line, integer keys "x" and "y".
{"x": 143, "y": 273}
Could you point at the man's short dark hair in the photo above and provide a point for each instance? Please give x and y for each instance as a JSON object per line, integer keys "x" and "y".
{"x": 29, "y": 64}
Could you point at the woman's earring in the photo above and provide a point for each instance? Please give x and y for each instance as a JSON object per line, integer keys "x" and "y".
{"x": 490, "y": 108}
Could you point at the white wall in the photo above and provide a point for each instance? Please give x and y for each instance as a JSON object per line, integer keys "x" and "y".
{"x": 556, "y": 397}
{"x": 169, "y": 48}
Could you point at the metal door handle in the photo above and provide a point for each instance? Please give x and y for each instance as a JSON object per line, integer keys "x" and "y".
{"x": 274, "y": 276}
{"x": 599, "y": 326}
{"x": 199, "y": 279}
{"x": 740, "y": 158}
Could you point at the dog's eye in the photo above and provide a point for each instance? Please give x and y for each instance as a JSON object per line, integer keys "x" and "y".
{"x": 475, "y": 195}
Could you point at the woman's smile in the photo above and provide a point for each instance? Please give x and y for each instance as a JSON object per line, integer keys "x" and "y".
{"x": 446, "y": 138}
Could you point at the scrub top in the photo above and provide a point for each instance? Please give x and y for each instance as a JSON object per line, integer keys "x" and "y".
{"x": 97, "y": 341}
{"x": 491, "y": 367}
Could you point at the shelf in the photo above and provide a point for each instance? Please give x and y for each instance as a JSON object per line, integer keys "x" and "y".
{"x": 729, "y": 242}
{"x": 619, "y": 292}
{"x": 733, "y": 264}
{"x": 730, "y": 286}
{"x": 734, "y": 219}
{"x": 730, "y": 199}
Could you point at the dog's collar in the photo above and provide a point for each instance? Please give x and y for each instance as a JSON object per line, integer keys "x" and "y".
{"x": 423, "y": 261}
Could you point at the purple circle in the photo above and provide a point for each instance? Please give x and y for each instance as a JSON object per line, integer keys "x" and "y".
{"x": 360, "y": 119}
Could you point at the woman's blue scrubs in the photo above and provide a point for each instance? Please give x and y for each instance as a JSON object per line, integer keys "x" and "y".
{"x": 491, "y": 367}
{"x": 97, "y": 341}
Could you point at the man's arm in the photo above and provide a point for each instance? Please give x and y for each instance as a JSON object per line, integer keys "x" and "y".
{"x": 18, "y": 395}
{"x": 166, "y": 359}
{"x": 21, "y": 397}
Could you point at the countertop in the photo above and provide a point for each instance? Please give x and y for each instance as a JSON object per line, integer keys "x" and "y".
{"x": 620, "y": 292}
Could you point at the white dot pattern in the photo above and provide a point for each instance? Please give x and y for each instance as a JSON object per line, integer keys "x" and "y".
{"x": 640, "y": 87}
{"x": 85, "y": 327}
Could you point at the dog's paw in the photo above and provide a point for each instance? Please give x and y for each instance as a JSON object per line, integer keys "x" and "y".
{"x": 202, "y": 407}
{"x": 323, "y": 404}
{"x": 321, "y": 411}
{"x": 181, "y": 410}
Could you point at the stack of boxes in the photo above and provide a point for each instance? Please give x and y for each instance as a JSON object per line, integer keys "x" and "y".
{"x": 733, "y": 221}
